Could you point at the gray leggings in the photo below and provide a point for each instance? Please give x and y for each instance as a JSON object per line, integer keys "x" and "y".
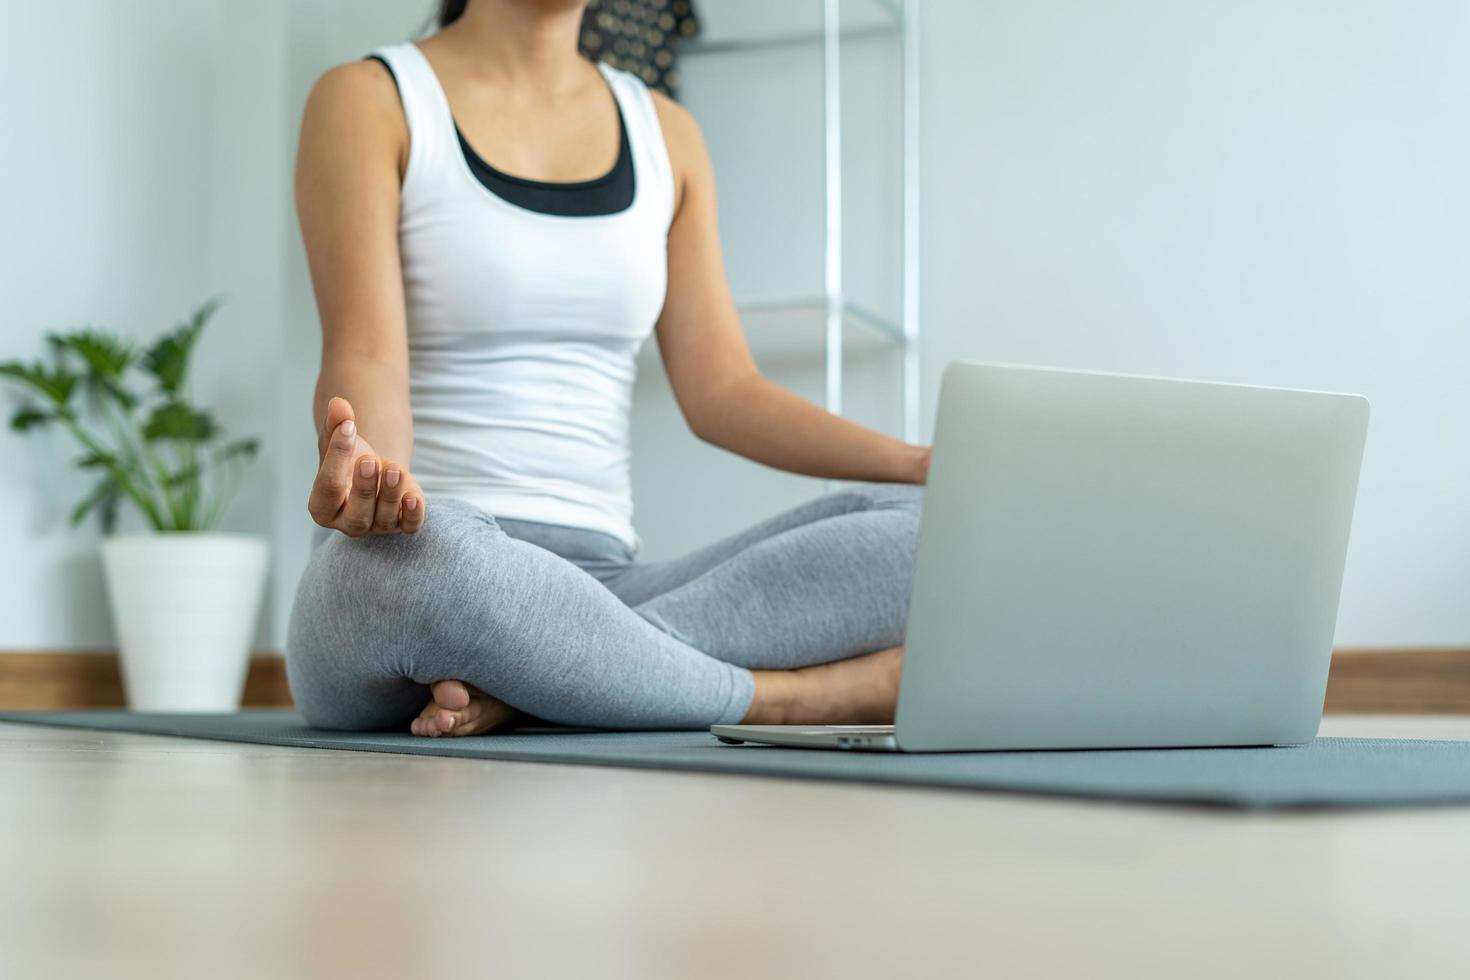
{"x": 564, "y": 625}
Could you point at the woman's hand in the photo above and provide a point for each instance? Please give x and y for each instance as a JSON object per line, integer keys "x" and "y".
{"x": 356, "y": 491}
{"x": 921, "y": 471}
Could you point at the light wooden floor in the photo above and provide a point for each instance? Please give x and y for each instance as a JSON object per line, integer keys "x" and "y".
{"x": 131, "y": 855}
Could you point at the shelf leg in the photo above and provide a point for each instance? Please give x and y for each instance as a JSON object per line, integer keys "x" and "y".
{"x": 832, "y": 244}
{"x": 911, "y": 377}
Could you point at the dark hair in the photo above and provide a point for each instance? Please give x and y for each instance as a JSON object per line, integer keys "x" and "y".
{"x": 451, "y": 11}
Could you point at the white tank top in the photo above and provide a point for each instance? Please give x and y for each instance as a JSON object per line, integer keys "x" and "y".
{"x": 523, "y": 327}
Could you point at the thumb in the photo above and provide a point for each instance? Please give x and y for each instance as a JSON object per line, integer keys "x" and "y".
{"x": 339, "y": 410}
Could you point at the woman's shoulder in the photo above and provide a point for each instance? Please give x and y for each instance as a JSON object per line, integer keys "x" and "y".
{"x": 681, "y": 133}
{"x": 671, "y": 115}
{"x": 357, "y": 100}
{"x": 363, "y": 86}
{"x": 681, "y": 136}
{"x": 353, "y": 114}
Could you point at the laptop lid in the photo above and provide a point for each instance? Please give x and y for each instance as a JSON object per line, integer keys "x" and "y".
{"x": 1118, "y": 561}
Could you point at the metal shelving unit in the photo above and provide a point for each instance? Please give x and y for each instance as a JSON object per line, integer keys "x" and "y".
{"x": 833, "y": 304}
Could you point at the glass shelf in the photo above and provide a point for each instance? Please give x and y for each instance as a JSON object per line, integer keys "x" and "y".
{"x": 830, "y": 326}
{"x": 769, "y": 42}
{"x": 793, "y": 331}
{"x": 763, "y": 24}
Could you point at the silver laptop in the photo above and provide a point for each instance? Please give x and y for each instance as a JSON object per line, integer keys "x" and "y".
{"x": 1109, "y": 561}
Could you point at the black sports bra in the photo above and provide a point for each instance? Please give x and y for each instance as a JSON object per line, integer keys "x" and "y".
{"x": 608, "y": 194}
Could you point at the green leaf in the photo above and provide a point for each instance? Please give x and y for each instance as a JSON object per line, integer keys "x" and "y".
{"x": 176, "y": 420}
{"x": 96, "y": 459}
{"x": 206, "y": 310}
{"x": 186, "y": 475}
{"x": 104, "y": 495}
{"x": 105, "y": 355}
{"x": 30, "y": 418}
{"x": 168, "y": 358}
{"x": 240, "y": 447}
{"x": 107, "y": 511}
{"x": 107, "y": 359}
{"x": 55, "y": 383}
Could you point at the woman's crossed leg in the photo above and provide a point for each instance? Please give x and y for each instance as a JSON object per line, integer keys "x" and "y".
{"x": 495, "y": 623}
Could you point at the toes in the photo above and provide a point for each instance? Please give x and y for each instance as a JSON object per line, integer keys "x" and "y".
{"x": 451, "y": 694}
{"x": 459, "y": 709}
{"x": 467, "y": 721}
{"x": 434, "y": 720}
{"x": 485, "y": 714}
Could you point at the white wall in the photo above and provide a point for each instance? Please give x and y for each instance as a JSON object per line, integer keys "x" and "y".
{"x": 1262, "y": 192}
{"x": 145, "y": 165}
{"x": 1259, "y": 192}
{"x": 153, "y": 143}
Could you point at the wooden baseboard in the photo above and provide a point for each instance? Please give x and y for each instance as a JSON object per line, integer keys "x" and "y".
{"x": 1434, "y": 681}
{"x": 1362, "y": 681}
{"x": 55, "y": 681}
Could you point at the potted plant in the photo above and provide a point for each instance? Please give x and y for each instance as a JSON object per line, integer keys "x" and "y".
{"x": 184, "y": 598}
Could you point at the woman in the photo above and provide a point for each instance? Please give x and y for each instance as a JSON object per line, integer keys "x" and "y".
{"x": 480, "y": 324}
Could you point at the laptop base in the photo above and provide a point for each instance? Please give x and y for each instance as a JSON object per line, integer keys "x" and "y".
{"x": 860, "y": 738}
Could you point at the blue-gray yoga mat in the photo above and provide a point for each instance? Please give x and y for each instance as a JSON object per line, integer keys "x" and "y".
{"x": 1326, "y": 772}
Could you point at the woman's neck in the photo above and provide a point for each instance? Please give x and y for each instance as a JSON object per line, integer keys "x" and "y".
{"x": 527, "y": 45}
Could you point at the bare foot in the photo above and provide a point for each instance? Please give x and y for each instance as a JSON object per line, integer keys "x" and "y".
{"x": 459, "y": 709}
{"x": 859, "y": 691}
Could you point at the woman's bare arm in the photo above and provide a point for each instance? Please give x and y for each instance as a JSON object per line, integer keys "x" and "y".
{"x": 724, "y": 397}
{"x": 348, "y": 171}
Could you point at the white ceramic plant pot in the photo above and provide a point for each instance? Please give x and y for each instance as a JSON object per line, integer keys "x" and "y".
{"x": 184, "y": 608}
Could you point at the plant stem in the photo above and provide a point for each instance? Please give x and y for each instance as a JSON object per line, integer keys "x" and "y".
{"x": 196, "y": 482}
{"x": 227, "y": 485}
{"x": 189, "y": 492}
{"x": 186, "y": 488}
{"x": 118, "y": 473}
{"x": 216, "y": 497}
{"x": 159, "y": 478}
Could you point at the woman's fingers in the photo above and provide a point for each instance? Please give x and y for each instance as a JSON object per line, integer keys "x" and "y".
{"x": 390, "y": 497}
{"x": 357, "y": 517}
{"x": 339, "y": 410}
{"x": 356, "y": 492}
{"x": 411, "y": 514}
{"x": 334, "y": 476}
